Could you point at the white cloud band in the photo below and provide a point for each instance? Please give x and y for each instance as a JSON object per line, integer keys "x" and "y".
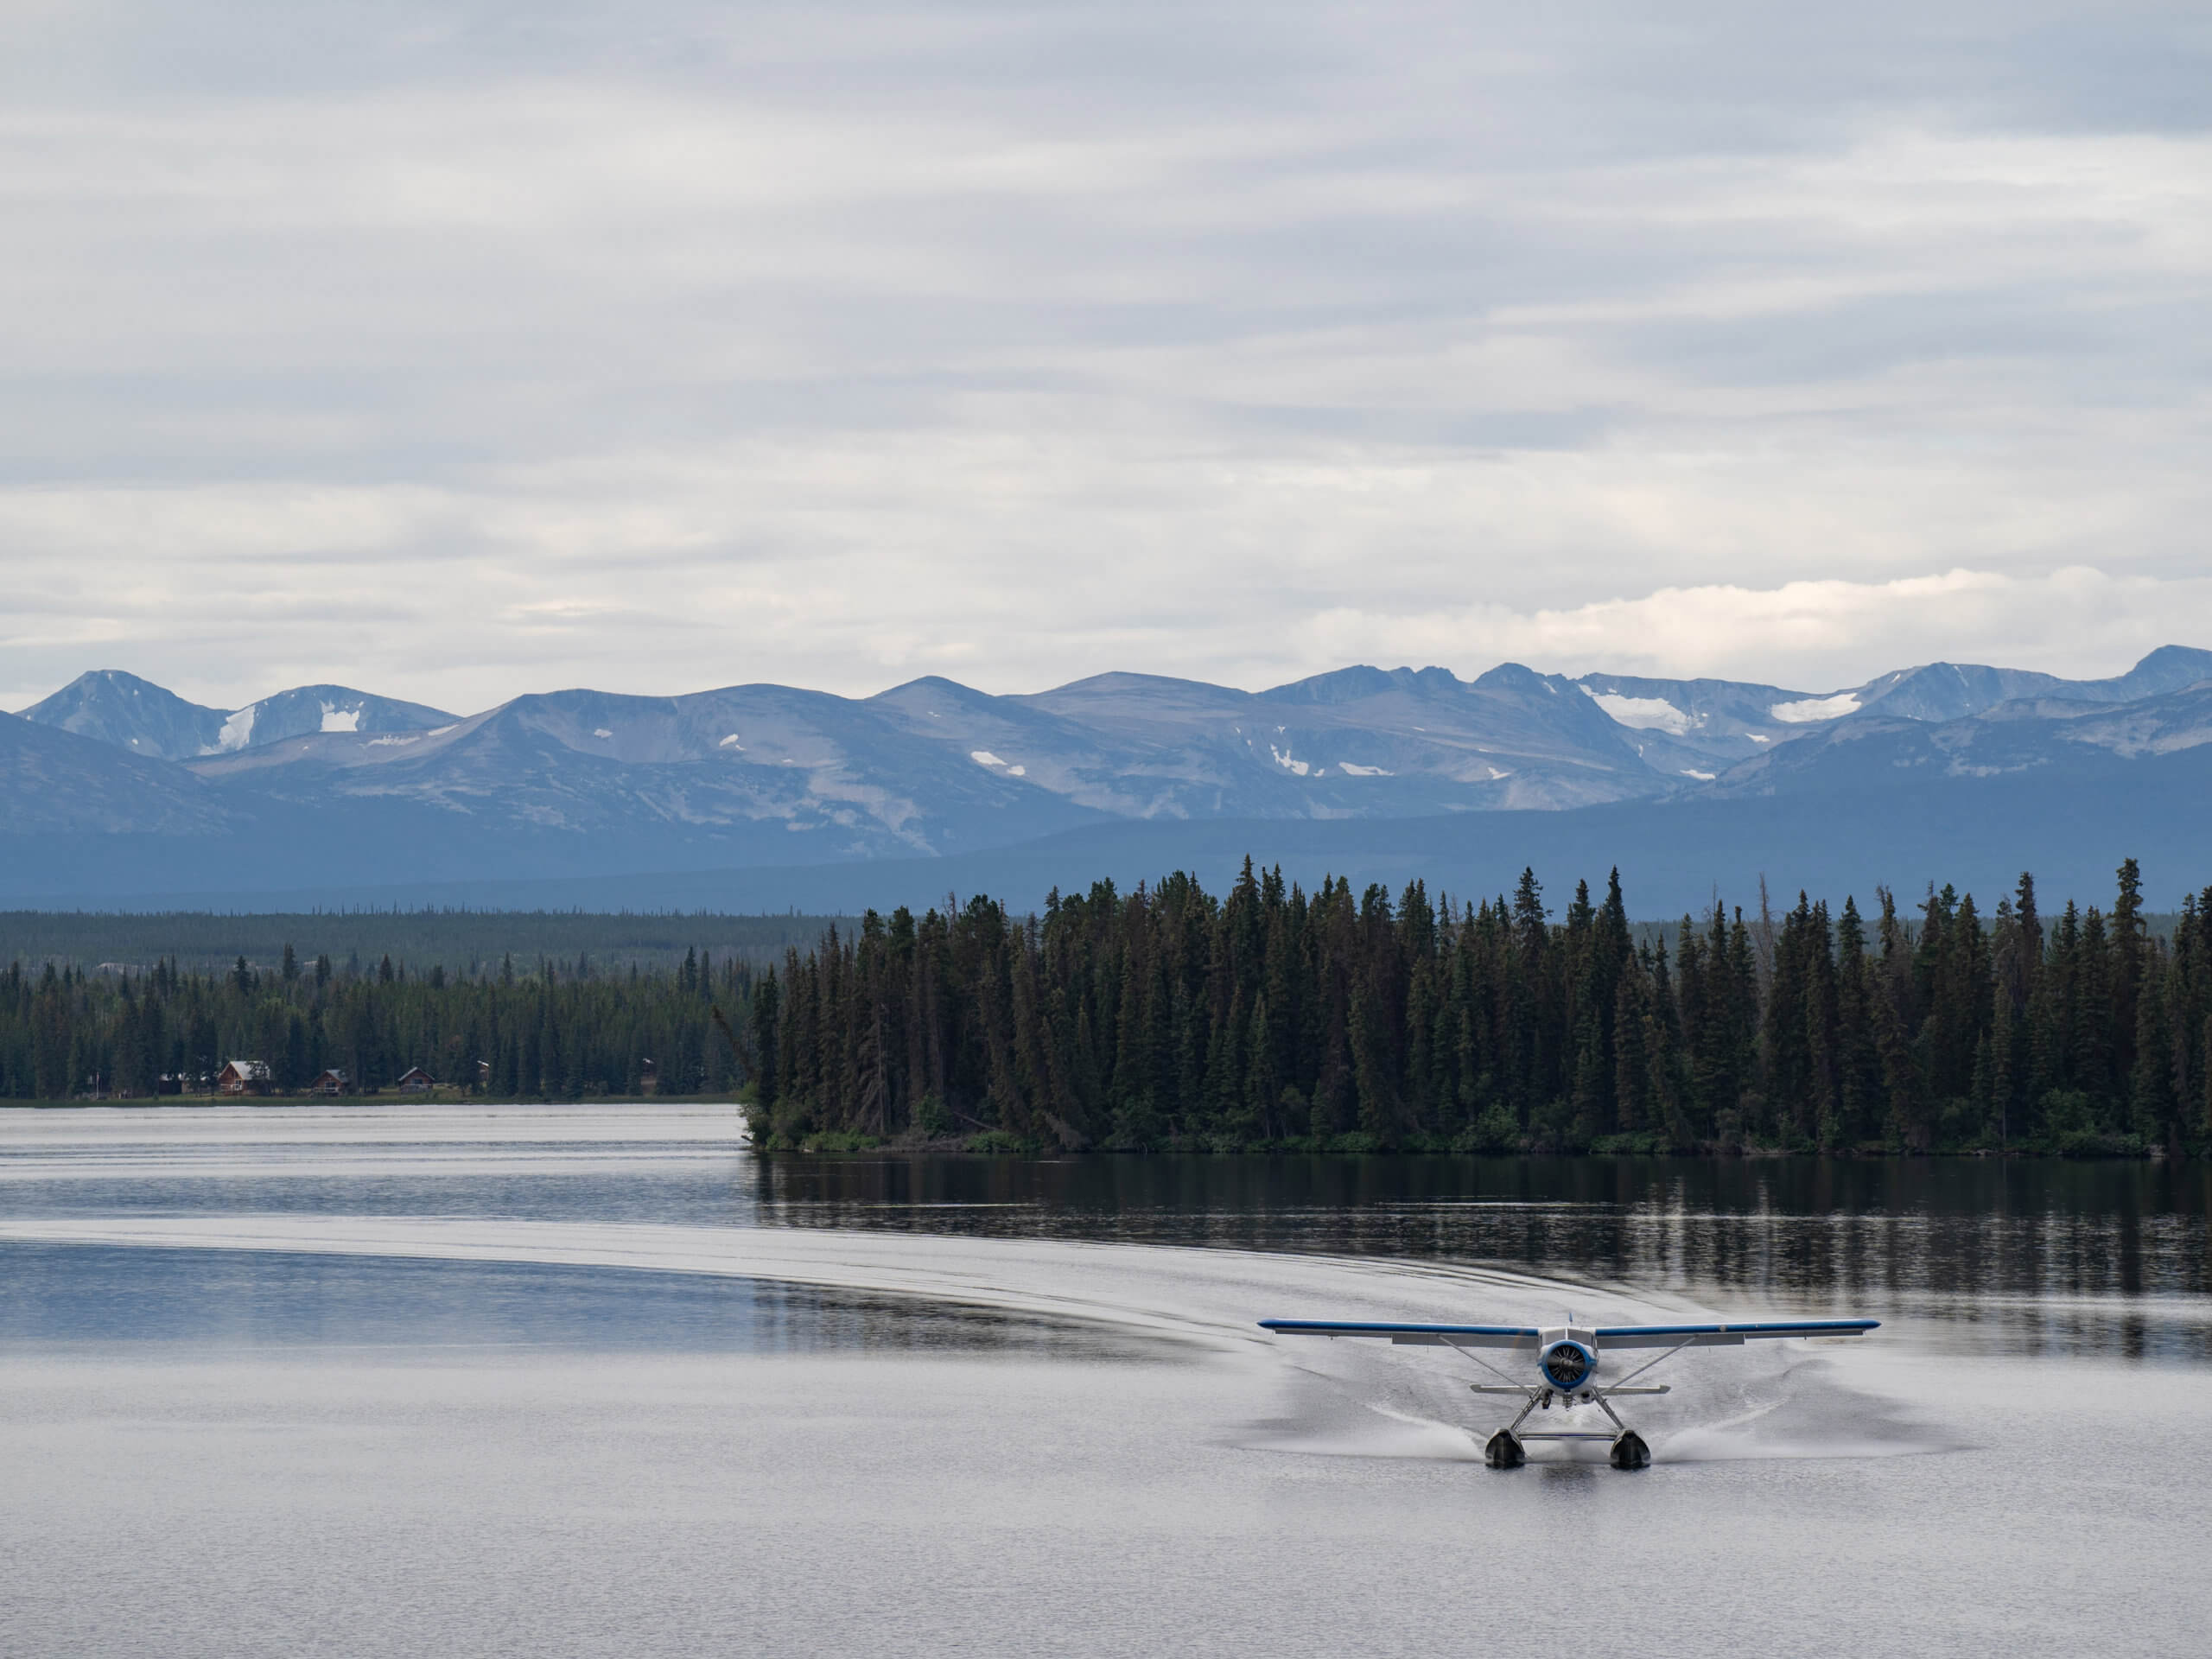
{"x": 1021, "y": 345}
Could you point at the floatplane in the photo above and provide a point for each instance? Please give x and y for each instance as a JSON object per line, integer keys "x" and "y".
{"x": 1567, "y": 1367}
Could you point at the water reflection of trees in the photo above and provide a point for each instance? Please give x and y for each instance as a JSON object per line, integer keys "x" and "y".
{"x": 2041, "y": 1255}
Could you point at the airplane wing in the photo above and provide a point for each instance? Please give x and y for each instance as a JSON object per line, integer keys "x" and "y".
{"x": 1616, "y": 1336}
{"x": 1438, "y": 1336}
{"x": 1715, "y": 1336}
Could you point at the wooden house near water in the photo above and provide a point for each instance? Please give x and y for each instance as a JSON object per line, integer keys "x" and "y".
{"x": 242, "y": 1077}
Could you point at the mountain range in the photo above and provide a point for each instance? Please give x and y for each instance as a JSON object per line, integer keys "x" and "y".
{"x": 115, "y": 789}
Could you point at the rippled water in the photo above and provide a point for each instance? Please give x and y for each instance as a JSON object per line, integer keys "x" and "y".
{"x": 565, "y": 1380}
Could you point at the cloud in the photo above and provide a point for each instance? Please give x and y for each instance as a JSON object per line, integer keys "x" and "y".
{"x": 462, "y": 351}
{"x": 1814, "y": 636}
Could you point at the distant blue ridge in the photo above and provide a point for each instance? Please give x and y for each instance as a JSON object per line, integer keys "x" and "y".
{"x": 772, "y": 798}
{"x": 1673, "y": 857}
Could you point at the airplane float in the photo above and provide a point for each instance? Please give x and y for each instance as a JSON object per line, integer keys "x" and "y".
{"x": 1567, "y": 1367}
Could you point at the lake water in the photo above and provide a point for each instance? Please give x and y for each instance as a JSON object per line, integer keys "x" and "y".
{"x": 577, "y": 1380}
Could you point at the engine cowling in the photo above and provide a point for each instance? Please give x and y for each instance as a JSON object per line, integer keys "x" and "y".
{"x": 1566, "y": 1365}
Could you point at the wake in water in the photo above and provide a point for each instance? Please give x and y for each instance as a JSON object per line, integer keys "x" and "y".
{"x": 1345, "y": 1398}
{"x": 1727, "y": 1404}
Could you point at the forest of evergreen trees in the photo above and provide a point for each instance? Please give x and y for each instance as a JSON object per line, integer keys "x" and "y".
{"x": 456, "y": 940}
{"x": 1166, "y": 1017}
{"x": 551, "y": 1031}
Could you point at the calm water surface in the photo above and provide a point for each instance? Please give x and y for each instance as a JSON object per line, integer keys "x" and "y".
{"x": 282, "y": 1381}
{"x": 2041, "y": 1255}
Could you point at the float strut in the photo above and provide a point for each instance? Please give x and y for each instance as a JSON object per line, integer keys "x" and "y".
{"x": 1628, "y": 1450}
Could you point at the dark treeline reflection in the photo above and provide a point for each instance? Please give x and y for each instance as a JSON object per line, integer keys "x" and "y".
{"x": 2057, "y": 1255}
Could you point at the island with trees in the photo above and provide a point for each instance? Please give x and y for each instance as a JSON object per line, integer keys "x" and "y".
{"x": 1166, "y": 1017}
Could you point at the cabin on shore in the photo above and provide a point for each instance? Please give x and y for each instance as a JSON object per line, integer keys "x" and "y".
{"x": 648, "y": 1078}
{"x": 331, "y": 1082}
{"x": 415, "y": 1081}
{"x": 242, "y": 1077}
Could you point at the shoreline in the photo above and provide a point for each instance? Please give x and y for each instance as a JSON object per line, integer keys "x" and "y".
{"x": 1000, "y": 1143}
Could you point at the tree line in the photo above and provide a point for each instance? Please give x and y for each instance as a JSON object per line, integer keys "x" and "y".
{"x": 460, "y": 940}
{"x": 553, "y": 1030}
{"x": 1168, "y": 1017}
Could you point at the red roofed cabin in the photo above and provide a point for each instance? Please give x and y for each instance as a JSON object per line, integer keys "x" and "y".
{"x": 242, "y": 1077}
{"x": 415, "y": 1081}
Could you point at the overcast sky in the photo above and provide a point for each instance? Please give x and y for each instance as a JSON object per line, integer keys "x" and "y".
{"x": 461, "y": 351}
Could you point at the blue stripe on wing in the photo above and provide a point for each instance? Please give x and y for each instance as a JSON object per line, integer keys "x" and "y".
{"x": 1355, "y": 1328}
{"x": 1639, "y": 1336}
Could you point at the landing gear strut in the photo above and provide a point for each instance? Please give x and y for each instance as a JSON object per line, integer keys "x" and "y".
{"x": 1507, "y": 1448}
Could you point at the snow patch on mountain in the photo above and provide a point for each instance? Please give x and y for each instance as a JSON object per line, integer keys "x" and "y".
{"x": 1300, "y": 768}
{"x": 335, "y": 719}
{"x": 1643, "y": 714}
{"x": 1351, "y": 771}
{"x": 238, "y": 730}
{"x": 985, "y": 757}
{"x": 1813, "y": 708}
